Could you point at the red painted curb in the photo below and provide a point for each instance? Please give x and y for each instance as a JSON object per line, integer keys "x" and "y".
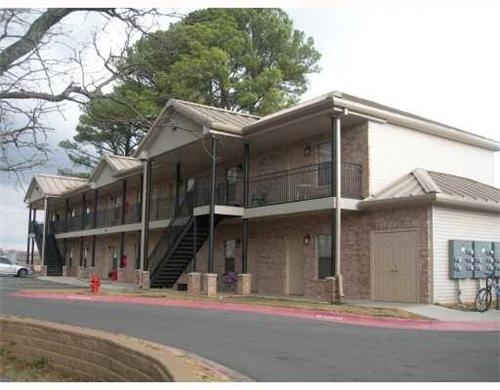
{"x": 380, "y": 322}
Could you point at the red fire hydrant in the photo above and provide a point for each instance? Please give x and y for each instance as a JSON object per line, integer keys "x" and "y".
{"x": 95, "y": 284}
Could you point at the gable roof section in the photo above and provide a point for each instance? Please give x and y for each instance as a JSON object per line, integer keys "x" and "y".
{"x": 213, "y": 117}
{"x": 52, "y": 185}
{"x": 119, "y": 165}
{"x": 421, "y": 186}
{"x": 204, "y": 116}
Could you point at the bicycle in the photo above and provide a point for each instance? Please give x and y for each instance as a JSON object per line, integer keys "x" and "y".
{"x": 484, "y": 295}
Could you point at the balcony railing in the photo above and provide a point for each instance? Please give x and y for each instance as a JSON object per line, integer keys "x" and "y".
{"x": 291, "y": 185}
{"x": 303, "y": 183}
{"x": 161, "y": 208}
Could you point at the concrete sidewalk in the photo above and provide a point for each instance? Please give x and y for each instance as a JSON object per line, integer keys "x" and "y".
{"x": 106, "y": 284}
{"x": 437, "y": 312}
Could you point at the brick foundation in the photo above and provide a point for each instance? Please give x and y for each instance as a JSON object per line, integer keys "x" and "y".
{"x": 121, "y": 275}
{"x": 210, "y": 285}
{"x": 64, "y": 270}
{"x": 142, "y": 279}
{"x": 194, "y": 283}
{"x": 244, "y": 284}
{"x": 43, "y": 270}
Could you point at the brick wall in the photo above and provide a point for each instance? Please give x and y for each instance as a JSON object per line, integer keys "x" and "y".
{"x": 100, "y": 356}
{"x": 267, "y": 250}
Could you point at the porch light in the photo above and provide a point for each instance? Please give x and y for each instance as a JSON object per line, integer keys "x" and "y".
{"x": 307, "y": 150}
{"x": 307, "y": 239}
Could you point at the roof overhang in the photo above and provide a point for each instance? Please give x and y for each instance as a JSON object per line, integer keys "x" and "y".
{"x": 429, "y": 199}
{"x": 354, "y": 106}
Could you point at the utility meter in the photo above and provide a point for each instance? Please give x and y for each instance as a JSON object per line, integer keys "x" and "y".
{"x": 461, "y": 260}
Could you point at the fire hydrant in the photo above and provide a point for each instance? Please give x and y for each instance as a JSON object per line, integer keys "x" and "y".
{"x": 95, "y": 284}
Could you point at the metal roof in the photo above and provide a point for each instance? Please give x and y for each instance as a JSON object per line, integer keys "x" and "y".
{"x": 121, "y": 164}
{"x": 436, "y": 186}
{"x": 52, "y": 185}
{"x": 213, "y": 117}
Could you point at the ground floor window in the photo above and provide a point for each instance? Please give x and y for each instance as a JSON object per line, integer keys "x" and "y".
{"x": 229, "y": 249}
{"x": 324, "y": 252}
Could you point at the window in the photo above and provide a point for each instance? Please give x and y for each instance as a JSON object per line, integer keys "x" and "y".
{"x": 229, "y": 248}
{"x": 324, "y": 159}
{"x": 4, "y": 260}
{"x": 324, "y": 256}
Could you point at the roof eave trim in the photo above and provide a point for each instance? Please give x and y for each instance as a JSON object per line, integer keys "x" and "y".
{"x": 316, "y": 107}
{"x": 420, "y": 124}
{"x": 408, "y": 201}
{"x": 445, "y": 200}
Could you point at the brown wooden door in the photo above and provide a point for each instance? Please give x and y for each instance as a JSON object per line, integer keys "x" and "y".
{"x": 294, "y": 283}
{"x": 395, "y": 266}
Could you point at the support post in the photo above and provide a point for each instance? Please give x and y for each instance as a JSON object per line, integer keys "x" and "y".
{"x": 66, "y": 211}
{"x": 244, "y": 238}
{"x": 33, "y": 237}
{"x": 211, "y": 226}
{"x": 146, "y": 186}
{"x": 122, "y": 246}
{"x": 124, "y": 200}
{"x": 96, "y": 197}
{"x": 45, "y": 227}
{"x": 177, "y": 184}
{"x": 81, "y": 251}
{"x": 29, "y": 232}
{"x": 337, "y": 192}
{"x": 93, "y": 252}
{"x": 83, "y": 211}
{"x": 195, "y": 243}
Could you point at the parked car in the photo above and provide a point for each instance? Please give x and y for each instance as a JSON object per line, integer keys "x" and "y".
{"x": 11, "y": 267}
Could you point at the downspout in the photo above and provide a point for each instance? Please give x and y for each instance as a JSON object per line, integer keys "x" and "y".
{"x": 45, "y": 224}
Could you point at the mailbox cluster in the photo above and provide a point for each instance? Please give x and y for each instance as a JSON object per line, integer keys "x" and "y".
{"x": 474, "y": 259}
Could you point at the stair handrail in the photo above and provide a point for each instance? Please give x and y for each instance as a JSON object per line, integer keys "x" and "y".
{"x": 181, "y": 217}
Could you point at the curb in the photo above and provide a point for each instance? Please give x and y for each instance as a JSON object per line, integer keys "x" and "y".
{"x": 344, "y": 318}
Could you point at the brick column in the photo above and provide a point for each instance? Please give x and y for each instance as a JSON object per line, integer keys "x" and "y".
{"x": 64, "y": 270}
{"x": 210, "y": 285}
{"x": 43, "y": 270}
{"x": 331, "y": 290}
{"x": 93, "y": 271}
{"x": 142, "y": 279}
{"x": 121, "y": 274}
{"x": 194, "y": 283}
{"x": 80, "y": 272}
{"x": 244, "y": 284}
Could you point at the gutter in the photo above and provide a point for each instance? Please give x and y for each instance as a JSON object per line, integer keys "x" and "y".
{"x": 437, "y": 199}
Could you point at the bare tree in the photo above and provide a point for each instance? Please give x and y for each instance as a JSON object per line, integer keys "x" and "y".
{"x": 40, "y": 70}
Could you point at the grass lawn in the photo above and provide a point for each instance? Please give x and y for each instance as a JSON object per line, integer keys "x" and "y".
{"x": 255, "y": 300}
{"x": 13, "y": 369}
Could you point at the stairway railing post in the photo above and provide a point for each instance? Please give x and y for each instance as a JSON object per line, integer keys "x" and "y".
{"x": 211, "y": 227}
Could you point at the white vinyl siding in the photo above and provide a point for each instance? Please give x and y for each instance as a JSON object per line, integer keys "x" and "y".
{"x": 395, "y": 151}
{"x": 453, "y": 224}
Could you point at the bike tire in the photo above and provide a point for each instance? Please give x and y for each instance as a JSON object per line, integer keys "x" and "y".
{"x": 483, "y": 300}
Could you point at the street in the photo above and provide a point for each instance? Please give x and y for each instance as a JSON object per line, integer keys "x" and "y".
{"x": 272, "y": 348}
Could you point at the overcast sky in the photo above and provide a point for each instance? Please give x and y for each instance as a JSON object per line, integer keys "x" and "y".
{"x": 442, "y": 64}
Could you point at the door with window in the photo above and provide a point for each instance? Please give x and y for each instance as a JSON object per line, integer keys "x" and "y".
{"x": 232, "y": 185}
{"x": 294, "y": 255}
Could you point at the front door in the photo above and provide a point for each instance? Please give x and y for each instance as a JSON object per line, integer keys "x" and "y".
{"x": 395, "y": 265}
{"x": 294, "y": 283}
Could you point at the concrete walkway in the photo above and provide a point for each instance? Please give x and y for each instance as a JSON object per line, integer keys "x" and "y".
{"x": 106, "y": 284}
{"x": 430, "y": 311}
{"x": 437, "y": 312}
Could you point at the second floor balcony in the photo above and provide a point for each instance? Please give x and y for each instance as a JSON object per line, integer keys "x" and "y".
{"x": 279, "y": 187}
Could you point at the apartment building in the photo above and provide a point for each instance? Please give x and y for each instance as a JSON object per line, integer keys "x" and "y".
{"x": 335, "y": 197}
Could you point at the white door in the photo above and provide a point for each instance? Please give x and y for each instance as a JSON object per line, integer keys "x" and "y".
{"x": 395, "y": 265}
{"x": 294, "y": 283}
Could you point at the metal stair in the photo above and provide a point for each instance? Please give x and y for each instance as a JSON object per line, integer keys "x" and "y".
{"x": 177, "y": 244}
{"x": 53, "y": 258}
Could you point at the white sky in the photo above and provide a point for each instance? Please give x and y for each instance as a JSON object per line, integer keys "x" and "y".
{"x": 440, "y": 63}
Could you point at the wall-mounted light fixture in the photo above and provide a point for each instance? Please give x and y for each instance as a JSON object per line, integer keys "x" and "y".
{"x": 307, "y": 239}
{"x": 307, "y": 150}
